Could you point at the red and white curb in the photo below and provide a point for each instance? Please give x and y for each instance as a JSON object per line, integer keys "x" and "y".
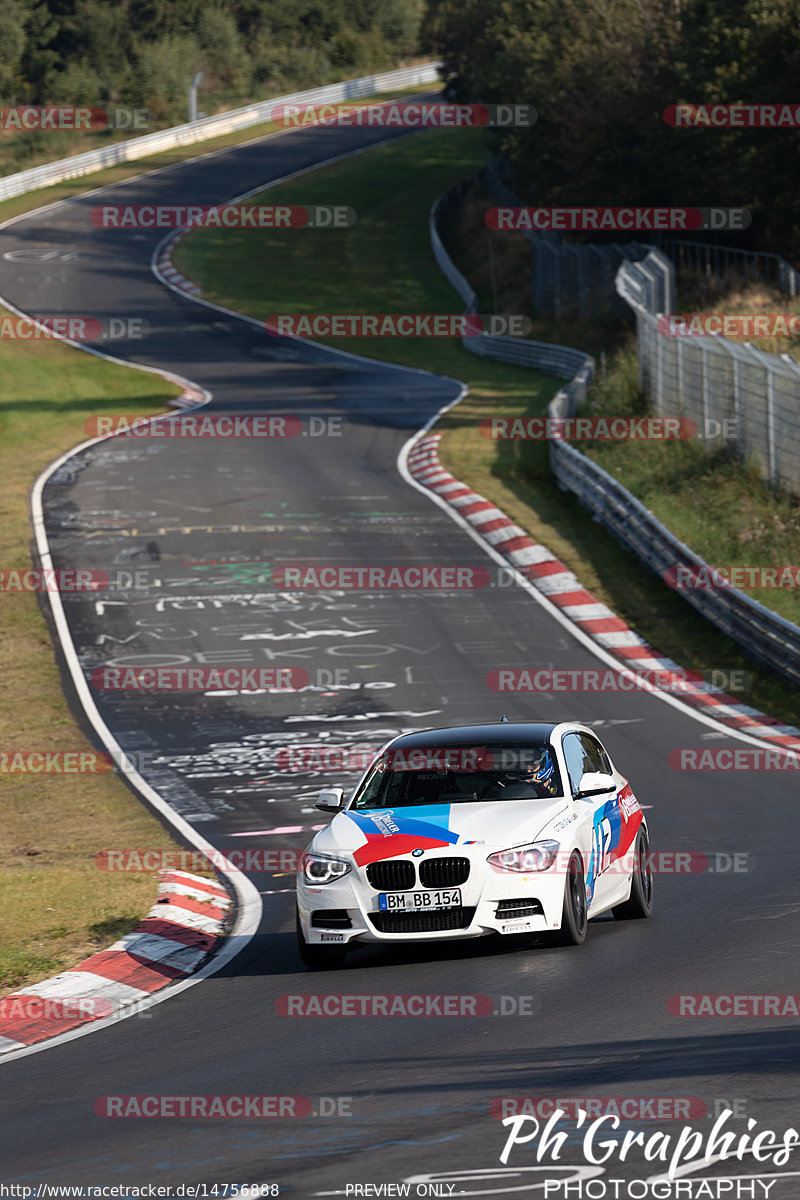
{"x": 189, "y": 397}
{"x": 549, "y": 576}
{"x": 185, "y": 925}
{"x": 170, "y": 273}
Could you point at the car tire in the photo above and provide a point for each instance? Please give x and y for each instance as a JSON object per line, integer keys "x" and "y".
{"x": 574, "y": 920}
{"x": 640, "y": 904}
{"x": 318, "y": 958}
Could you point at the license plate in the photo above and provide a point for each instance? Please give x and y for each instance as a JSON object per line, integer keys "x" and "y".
{"x": 414, "y": 901}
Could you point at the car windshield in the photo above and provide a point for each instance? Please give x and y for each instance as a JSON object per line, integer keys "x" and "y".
{"x": 404, "y": 776}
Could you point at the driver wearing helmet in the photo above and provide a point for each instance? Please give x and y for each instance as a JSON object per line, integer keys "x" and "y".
{"x": 534, "y": 778}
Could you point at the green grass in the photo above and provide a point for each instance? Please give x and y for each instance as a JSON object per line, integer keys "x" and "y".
{"x": 385, "y": 264}
{"x": 700, "y": 293}
{"x": 740, "y": 521}
{"x": 57, "y": 906}
{"x": 167, "y": 158}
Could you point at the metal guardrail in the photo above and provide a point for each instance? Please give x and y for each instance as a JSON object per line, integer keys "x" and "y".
{"x": 727, "y": 260}
{"x": 566, "y": 277}
{"x": 579, "y": 276}
{"x": 562, "y": 361}
{"x": 648, "y": 285}
{"x": 763, "y": 634}
{"x": 209, "y": 127}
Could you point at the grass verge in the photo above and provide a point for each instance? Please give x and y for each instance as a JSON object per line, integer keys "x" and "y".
{"x": 167, "y": 158}
{"x": 21, "y": 150}
{"x": 57, "y": 906}
{"x": 740, "y": 521}
{"x": 388, "y": 267}
{"x": 385, "y": 260}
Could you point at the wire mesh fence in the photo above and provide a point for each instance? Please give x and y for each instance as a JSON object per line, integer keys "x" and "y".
{"x": 567, "y": 278}
{"x": 577, "y": 278}
{"x": 724, "y": 262}
{"x": 710, "y": 379}
{"x": 713, "y": 379}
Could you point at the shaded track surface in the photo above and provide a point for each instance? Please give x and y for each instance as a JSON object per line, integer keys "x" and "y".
{"x": 419, "y": 1090}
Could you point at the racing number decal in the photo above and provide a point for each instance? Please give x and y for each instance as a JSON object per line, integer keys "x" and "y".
{"x": 601, "y": 834}
{"x": 606, "y": 829}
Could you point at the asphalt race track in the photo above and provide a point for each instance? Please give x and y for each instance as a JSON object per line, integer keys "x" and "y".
{"x": 596, "y": 1018}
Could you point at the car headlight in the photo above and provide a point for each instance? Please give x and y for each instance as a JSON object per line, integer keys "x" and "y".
{"x": 318, "y": 869}
{"x": 536, "y": 857}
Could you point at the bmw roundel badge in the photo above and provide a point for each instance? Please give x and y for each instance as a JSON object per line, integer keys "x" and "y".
{"x": 417, "y": 853}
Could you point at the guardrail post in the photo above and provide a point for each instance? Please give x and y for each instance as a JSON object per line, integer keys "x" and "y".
{"x": 193, "y": 86}
{"x": 643, "y": 348}
{"x": 737, "y": 401}
{"x": 578, "y": 251}
{"x": 659, "y": 365}
{"x": 771, "y": 447}
{"x": 557, "y": 296}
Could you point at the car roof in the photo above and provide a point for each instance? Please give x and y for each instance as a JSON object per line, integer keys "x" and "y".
{"x": 470, "y": 735}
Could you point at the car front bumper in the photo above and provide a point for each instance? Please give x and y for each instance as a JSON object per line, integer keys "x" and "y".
{"x": 347, "y": 910}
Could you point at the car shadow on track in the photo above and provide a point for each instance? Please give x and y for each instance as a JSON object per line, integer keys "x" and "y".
{"x": 588, "y": 1067}
{"x": 272, "y": 954}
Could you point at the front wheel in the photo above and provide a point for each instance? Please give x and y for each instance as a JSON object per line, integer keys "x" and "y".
{"x": 318, "y": 958}
{"x": 640, "y": 903}
{"x": 574, "y": 919}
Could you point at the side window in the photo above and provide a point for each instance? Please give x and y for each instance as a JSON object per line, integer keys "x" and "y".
{"x": 596, "y": 754}
{"x": 578, "y": 762}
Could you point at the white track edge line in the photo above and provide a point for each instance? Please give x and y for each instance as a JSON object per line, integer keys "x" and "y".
{"x": 249, "y": 897}
{"x": 250, "y": 906}
{"x": 552, "y": 609}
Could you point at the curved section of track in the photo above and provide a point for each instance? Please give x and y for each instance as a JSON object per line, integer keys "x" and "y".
{"x": 596, "y": 1019}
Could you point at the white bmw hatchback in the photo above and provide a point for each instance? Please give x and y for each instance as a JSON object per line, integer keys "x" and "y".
{"x": 482, "y": 829}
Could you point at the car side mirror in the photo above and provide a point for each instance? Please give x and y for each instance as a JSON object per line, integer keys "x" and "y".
{"x": 595, "y": 783}
{"x": 330, "y": 800}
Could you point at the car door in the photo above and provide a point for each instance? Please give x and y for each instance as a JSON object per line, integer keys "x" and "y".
{"x": 601, "y": 813}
